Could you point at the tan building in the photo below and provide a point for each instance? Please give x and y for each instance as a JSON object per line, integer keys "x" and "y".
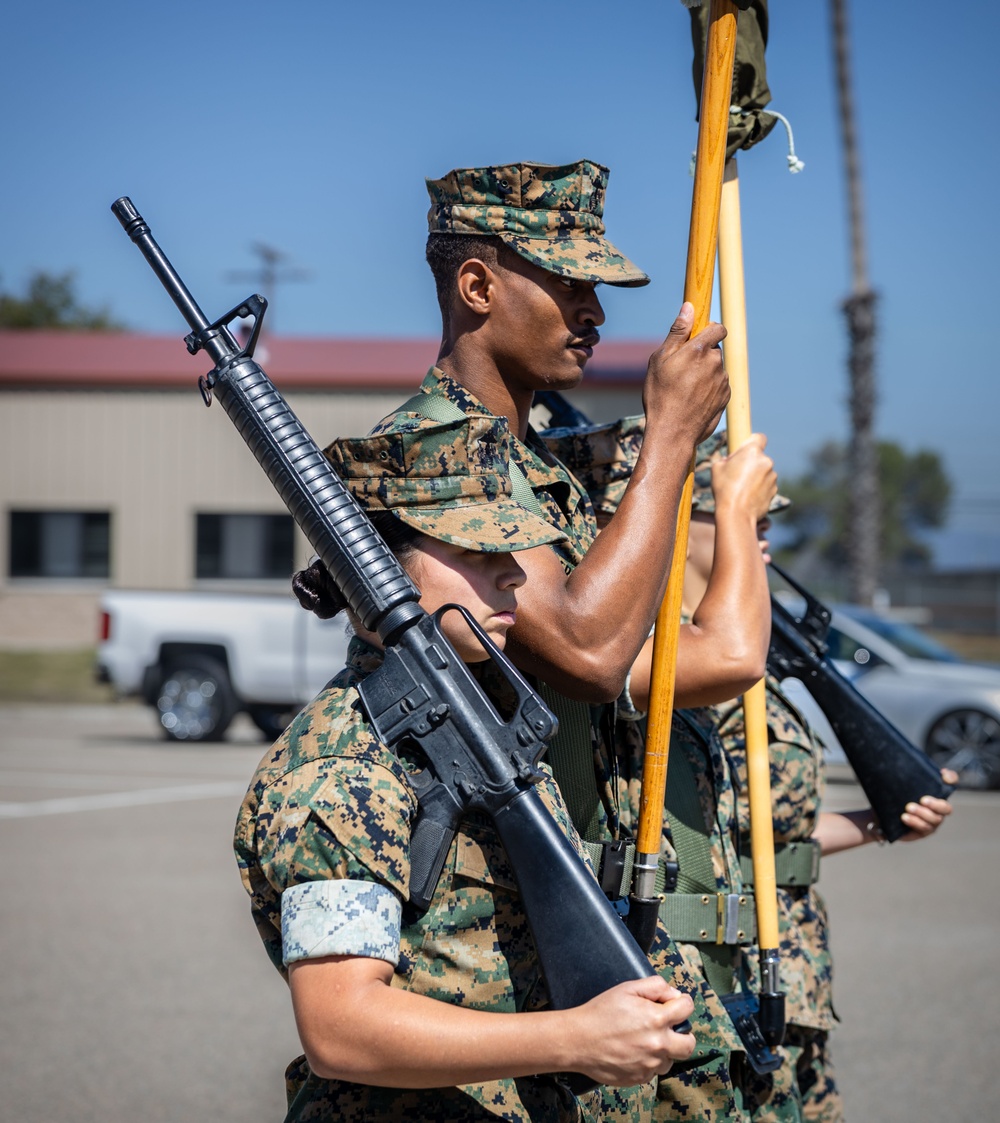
{"x": 113, "y": 472}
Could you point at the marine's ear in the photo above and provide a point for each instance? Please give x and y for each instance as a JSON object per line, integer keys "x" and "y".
{"x": 475, "y": 286}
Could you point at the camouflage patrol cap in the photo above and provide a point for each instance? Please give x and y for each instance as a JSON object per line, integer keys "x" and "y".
{"x": 451, "y": 482}
{"x": 550, "y": 214}
{"x": 601, "y": 456}
{"x": 703, "y": 498}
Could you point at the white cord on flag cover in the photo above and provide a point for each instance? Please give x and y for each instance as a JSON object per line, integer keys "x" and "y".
{"x": 795, "y": 165}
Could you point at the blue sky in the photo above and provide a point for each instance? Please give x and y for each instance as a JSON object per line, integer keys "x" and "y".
{"x": 310, "y": 126}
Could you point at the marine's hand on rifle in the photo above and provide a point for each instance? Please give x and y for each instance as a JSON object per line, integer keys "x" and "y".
{"x": 925, "y": 817}
{"x": 845, "y": 830}
{"x": 626, "y": 1034}
{"x": 686, "y": 387}
{"x": 354, "y": 1025}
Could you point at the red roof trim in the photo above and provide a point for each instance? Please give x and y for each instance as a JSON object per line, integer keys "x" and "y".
{"x": 47, "y": 360}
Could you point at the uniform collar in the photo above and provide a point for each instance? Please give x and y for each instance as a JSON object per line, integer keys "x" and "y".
{"x": 362, "y": 657}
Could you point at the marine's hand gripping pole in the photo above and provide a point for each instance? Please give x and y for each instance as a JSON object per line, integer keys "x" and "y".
{"x": 699, "y": 274}
{"x": 423, "y": 694}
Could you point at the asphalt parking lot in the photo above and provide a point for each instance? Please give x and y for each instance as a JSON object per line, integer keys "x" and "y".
{"x": 135, "y": 988}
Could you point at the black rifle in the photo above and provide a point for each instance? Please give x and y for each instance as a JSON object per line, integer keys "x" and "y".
{"x": 562, "y": 413}
{"x": 423, "y": 695}
{"x": 891, "y": 770}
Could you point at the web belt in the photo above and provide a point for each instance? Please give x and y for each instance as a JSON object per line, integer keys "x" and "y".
{"x": 795, "y": 864}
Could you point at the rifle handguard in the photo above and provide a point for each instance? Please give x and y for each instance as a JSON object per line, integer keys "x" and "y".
{"x": 368, "y": 575}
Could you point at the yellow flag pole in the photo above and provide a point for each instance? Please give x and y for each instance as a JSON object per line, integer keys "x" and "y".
{"x": 699, "y": 275}
{"x": 732, "y": 299}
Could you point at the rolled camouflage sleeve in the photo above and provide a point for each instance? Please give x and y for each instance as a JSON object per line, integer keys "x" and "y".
{"x": 332, "y": 840}
{"x": 340, "y": 917}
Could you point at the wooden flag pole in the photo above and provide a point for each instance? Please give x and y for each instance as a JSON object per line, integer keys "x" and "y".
{"x": 699, "y": 274}
{"x": 732, "y": 298}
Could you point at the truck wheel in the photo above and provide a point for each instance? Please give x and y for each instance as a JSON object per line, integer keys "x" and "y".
{"x": 195, "y": 700}
{"x": 272, "y": 721}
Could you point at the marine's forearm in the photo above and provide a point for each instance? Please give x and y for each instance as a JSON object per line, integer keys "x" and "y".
{"x": 723, "y": 650}
{"x": 355, "y": 1026}
{"x": 582, "y": 632}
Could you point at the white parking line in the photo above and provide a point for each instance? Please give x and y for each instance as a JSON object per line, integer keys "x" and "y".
{"x": 108, "y": 801}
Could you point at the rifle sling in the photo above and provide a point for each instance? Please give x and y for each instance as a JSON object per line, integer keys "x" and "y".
{"x": 570, "y": 754}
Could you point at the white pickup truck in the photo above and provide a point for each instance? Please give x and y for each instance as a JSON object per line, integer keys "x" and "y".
{"x": 201, "y": 658}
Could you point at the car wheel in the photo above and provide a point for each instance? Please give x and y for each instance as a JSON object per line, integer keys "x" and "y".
{"x": 272, "y": 721}
{"x": 195, "y": 700}
{"x": 967, "y": 741}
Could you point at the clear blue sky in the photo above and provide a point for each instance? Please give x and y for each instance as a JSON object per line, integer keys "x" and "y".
{"x": 310, "y": 125}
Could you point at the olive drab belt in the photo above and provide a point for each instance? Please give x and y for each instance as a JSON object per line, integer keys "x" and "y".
{"x": 698, "y": 911}
{"x": 796, "y": 864}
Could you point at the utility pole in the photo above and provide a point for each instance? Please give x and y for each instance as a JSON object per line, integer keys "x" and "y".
{"x": 265, "y": 279}
{"x": 863, "y": 527}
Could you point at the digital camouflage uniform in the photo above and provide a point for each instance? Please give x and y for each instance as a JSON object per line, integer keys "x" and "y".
{"x": 706, "y": 1093}
{"x": 603, "y": 455}
{"x": 565, "y": 504}
{"x": 553, "y": 217}
{"x": 323, "y": 834}
{"x": 797, "y": 779}
{"x": 330, "y": 804}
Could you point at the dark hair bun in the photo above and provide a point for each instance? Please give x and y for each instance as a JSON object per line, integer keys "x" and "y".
{"x": 316, "y": 591}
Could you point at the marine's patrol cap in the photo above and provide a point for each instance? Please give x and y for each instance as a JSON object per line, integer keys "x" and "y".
{"x": 703, "y": 498}
{"x": 451, "y": 482}
{"x": 601, "y": 456}
{"x": 550, "y": 214}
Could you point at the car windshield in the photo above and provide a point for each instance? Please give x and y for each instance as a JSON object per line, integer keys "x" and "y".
{"x": 907, "y": 638}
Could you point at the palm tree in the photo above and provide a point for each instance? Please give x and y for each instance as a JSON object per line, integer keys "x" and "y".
{"x": 859, "y": 309}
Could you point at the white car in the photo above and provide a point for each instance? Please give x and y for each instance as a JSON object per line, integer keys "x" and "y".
{"x": 949, "y": 708}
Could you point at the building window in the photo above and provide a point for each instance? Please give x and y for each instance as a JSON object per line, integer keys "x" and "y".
{"x": 60, "y": 544}
{"x": 244, "y": 547}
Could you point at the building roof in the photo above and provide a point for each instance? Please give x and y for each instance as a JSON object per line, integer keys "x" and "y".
{"x": 46, "y": 360}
